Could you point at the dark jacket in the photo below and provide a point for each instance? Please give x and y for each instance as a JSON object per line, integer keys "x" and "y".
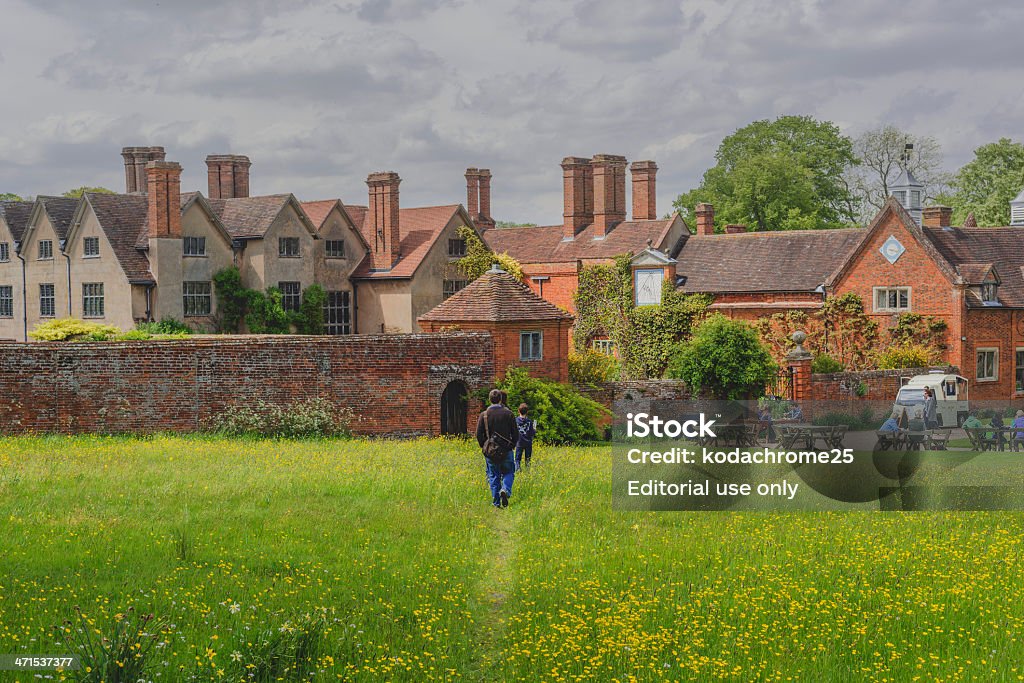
{"x": 527, "y": 431}
{"x": 502, "y": 422}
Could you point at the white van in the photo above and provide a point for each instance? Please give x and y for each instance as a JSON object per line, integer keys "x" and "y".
{"x": 950, "y": 396}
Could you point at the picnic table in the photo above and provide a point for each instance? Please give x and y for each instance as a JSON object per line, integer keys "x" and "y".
{"x": 791, "y": 435}
{"x": 739, "y": 434}
{"x": 934, "y": 439}
{"x": 995, "y": 438}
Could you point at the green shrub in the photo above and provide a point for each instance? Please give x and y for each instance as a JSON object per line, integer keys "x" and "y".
{"x": 863, "y": 421}
{"x": 310, "y": 317}
{"x": 592, "y": 367}
{"x": 825, "y": 364}
{"x": 905, "y": 356}
{"x": 725, "y": 359}
{"x": 264, "y": 312}
{"x": 166, "y": 326}
{"x": 563, "y": 415}
{"x": 312, "y": 417}
{"x": 73, "y": 329}
{"x": 232, "y": 299}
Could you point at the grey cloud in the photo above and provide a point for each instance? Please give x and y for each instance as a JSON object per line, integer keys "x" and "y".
{"x": 381, "y": 11}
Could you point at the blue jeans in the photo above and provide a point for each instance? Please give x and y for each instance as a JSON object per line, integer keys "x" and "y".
{"x": 500, "y": 476}
{"x": 526, "y": 450}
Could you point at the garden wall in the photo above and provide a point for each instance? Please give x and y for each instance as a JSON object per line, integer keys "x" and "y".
{"x": 851, "y": 391}
{"x": 393, "y": 383}
{"x": 634, "y": 390}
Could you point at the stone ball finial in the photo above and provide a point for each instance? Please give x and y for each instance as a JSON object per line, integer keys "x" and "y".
{"x": 799, "y": 337}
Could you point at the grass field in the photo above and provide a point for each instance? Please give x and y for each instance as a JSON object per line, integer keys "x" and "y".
{"x": 350, "y": 560}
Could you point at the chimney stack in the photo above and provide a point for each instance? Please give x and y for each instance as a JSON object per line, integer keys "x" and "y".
{"x": 485, "y": 220}
{"x": 609, "y": 191}
{"x": 473, "y": 192}
{"x": 644, "y": 196}
{"x": 578, "y": 195}
{"x": 135, "y": 160}
{"x": 937, "y": 217}
{"x": 163, "y": 187}
{"x": 705, "y": 219}
{"x": 478, "y": 196}
{"x": 384, "y": 219}
{"x": 227, "y": 176}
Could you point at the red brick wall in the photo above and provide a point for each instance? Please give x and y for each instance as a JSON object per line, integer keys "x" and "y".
{"x": 559, "y": 288}
{"x": 754, "y": 305}
{"x": 993, "y": 328}
{"x": 393, "y": 383}
{"x": 554, "y": 364}
{"x": 931, "y": 291}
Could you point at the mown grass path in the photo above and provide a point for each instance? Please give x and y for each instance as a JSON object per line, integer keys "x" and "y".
{"x": 383, "y": 561}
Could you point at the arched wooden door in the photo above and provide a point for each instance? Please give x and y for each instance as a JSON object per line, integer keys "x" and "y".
{"x": 454, "y": 404}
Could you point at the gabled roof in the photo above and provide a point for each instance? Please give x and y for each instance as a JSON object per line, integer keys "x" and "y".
{"x": 977, "y": 273}
{"x": 60, "y": 211}
{"x": 418, "y": 230}
{"x": 16, "y": 215}
{"x": 251, "y": 217}
{"x": 998, "y": 248}
{"x": 970, "y": 221}
{"x": 495, "y": 296}
{"x": 545, "y": 244}
{"x": 123, "y": 217}
{"x": 319, "y": 210}
{"x": 783, "y": 261}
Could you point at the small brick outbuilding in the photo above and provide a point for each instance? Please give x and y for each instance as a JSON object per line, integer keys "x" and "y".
{"x": 528, "y": 331}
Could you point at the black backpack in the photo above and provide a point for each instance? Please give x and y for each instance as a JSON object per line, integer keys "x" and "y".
{"x": 494, "y": 450}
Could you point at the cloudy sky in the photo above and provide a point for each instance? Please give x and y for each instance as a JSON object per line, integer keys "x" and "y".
{"x": 318, "y": 94}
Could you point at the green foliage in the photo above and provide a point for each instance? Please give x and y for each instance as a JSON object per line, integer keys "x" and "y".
{"x": 588, "y": 366}
{"x": 124, "y": 652}
{"x": 165, "y": 326}
{"x": 9, "y": 197}
{"x": 513, "y": 224}
{"x": 79, "y": 191}
{"x": 310, "y": 317}
{"x": 850, "y": 334}
{"x": 825, "y": 364}
{"x": 281, "y": 653}
{"x": 309, "y": 418}
{"x": 987, "y": 184}
{"x": 232, "y": 298}
{"x": 73, "y": 329}
{"x": 563, "y": 415}
{"x": 905, "y": 356}
{"x": 723, "y": 360}
{"x": 779, "y": 175}
{"x": 914, "y": 328}
{"x": 644, "y": 336}
{"x": 264, "y": 313}
{"x": 479, "y": 258}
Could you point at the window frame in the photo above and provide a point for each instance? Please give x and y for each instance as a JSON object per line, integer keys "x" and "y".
{"x": 284, "y": 252}
{"x": 978, "y": 351}
{"x": 989, "y": 289}
{"x": 5, "y": 252}
{"x": 197, "y": 241}
{"x": 875, "y": 291}
{"x": 93, "y": 241}
{"x": 51, "y": 297}
{"x": 339, "y": 303}
{"x": 459, "y": 251}
{"x": 286, "y": 297}
{"x": 336, "y": 254}
{"x": 192, "y": 290}
{"x": 8, "y": 300}
{"x": 455, "y": 288}
{"x": 603, "y": 346}
{"x": 530, "y": 358}
{"x": 93, "y": 300}
{"x": 1018, "y": 371}
{"x": 49, "y": 249}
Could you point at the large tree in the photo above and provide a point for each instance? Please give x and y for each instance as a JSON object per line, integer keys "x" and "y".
{"x": 9, "y": 197}
{"x": 883, "y": 156}
{"x": 778, "y": 175}
{"x": 987, "y": 184}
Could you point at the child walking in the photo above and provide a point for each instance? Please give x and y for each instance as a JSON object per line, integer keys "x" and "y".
{"x": 527, "y": 430}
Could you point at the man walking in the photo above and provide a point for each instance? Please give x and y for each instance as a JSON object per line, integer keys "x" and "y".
{"x": 527, "y": 430}
{"x": 930, "y": 408}
{"x": 496, "y": 433}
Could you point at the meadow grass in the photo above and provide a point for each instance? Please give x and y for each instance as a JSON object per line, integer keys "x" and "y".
{"x": 357, "y": 560}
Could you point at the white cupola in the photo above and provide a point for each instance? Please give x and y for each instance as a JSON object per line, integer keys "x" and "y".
{"x": 1017, "y": 210}
{"x": 909, "y": 193}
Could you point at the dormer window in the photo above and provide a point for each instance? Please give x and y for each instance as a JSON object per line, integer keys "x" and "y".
{"x": 988, "y": 293}
{"x": 91, "y": 247}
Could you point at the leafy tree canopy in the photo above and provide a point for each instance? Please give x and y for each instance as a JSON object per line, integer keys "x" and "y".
{"x": 479, "y": 258}
{"x": 987, "y": 184}
{"x": 724, "y": 360}
{"x": 79, "y": 191}
{"x": 9, "y": 197}
{"x": 779, "y": 175}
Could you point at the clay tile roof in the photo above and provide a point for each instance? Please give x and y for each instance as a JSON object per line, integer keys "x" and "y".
{"x": 248, "y": 217}
{"x": 123, "y": 217}
{"x": 545, "y": 244}
{"x": 784, "y": 261}
{"x": 318, "y": 211}
{"x": 970, "y": 221}
{"x": 968, "y": 248}
{"x": 495, "y": 296}
{"x": 418, "y": 230}
{"x": 974, "y": 273}
{"x": 60, "y": 210}
{"x": 16, "y": 215}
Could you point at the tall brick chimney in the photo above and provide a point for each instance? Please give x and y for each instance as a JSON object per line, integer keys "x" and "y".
{"x": 135, "y": 160}
{"x": 644, "y": 194}
{"x": 227, "y": 176}
{"x": 384, "y": 219}
{"x": 609, "y": 191}
{"x": 473, "y": 192}
{"x": 163, "y": 187}
{"x": 937, "y": 217}
{"x": 705, "y": 219}
{"x": 485, "y": 220}
{"x": 578, "y": 195}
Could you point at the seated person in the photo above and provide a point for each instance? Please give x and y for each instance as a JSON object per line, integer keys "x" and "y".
{"x": 916, "y": 428}
{"x": 795, "y": 413}
{"x": 1018, "y": 422}
{"x": 972, "y": 422}
{"x": 997, "y": 434}
{"x": 892, "y": 424}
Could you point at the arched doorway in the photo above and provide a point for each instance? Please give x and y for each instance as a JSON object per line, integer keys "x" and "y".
{"x": 453, "y": 408}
